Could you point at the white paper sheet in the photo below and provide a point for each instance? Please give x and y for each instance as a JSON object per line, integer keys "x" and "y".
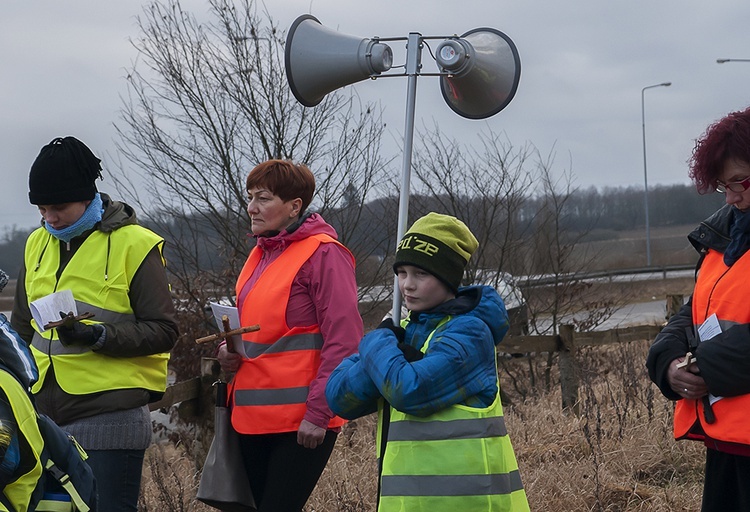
{"x": 710, "y": 329}
{"x": 47, "y": 309}
{"x": 219, "y": 310}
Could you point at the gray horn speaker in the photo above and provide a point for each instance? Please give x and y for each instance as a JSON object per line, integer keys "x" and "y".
{"x": 484, "y": 70}
{"x": 319, "y": 60}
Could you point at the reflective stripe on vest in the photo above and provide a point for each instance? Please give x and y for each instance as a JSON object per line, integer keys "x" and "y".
{"x": 50, "y": 347}
{"x": 722, "y": 291}
{"x": 99, "y": 275}
{"x": 457, "y": 429}
{"x": 283, "y": 396}
{"x": 286, "y": 344}
{"x": 460, "y": 458}
{"x": 19, "y": 492}
{"x": 451, "y": 485}
{"x": 269, "y": 391}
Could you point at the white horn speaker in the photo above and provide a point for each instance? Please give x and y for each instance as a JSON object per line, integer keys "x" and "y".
{"x": 319, "y": 60}
{"x": 484, "y": 69}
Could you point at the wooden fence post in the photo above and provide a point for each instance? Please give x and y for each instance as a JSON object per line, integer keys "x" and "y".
{"x": 210, "y": 373}
{"x": 568, "y": 369}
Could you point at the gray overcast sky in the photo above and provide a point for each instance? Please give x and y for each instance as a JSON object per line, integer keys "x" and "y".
{"x": 584, "y": 63}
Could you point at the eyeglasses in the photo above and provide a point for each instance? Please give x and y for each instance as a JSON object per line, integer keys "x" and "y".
{"x": 734, "y": 186}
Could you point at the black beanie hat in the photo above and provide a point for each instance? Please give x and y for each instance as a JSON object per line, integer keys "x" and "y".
{"x": 440, "y": 244}
{"x": 64, "y": 172}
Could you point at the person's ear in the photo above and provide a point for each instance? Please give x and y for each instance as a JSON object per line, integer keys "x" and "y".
{"x": 296, "y": 207}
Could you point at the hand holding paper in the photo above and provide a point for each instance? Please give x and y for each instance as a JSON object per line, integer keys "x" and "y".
{"x": 46, "y": 310}
{"x": 228, "y": 321}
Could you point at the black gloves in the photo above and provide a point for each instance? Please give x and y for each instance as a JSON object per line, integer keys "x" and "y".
{"x": 74, "y": 332}
{"x": 397, "y": 330}
{"x": 410, "y": 353}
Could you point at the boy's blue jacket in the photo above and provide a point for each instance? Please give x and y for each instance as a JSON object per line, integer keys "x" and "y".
{"x": 458, "y": 366}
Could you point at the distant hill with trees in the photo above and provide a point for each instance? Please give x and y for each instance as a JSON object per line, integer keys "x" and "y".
{"x": 601, "y": 214}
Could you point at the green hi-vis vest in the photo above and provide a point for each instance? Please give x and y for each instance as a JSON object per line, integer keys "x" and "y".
{"x": 19, "y": 492}
{"x": 457, "y": 459}
{"x": 99, "y": 275}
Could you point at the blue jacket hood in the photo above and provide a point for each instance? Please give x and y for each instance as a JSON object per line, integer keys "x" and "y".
{"x": 482, "y": 302}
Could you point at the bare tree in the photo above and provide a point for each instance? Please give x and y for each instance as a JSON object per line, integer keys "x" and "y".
{"x": 484, "y": 187}
{"x": 207, "y": 102}
{"x": 555, "y": 251}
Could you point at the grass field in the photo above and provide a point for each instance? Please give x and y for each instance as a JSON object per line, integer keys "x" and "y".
{"x": 669, "y": 246}
{"x": 616, "y": 455}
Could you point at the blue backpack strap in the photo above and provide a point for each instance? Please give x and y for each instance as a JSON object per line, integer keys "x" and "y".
{"x": 62, "y": 457}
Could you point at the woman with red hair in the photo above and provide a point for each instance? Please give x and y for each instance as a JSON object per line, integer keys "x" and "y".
{"x": 701, "y": 359}
{"x": 299, "y": 285}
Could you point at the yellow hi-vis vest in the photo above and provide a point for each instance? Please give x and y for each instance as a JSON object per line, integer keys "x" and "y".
{"x": 457, "y": 459}
{"x": 99, "y": 275}
{"x": 19, "y": 491}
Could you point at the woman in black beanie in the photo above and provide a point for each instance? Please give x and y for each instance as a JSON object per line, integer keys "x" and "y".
{"x": 96, "y": 376}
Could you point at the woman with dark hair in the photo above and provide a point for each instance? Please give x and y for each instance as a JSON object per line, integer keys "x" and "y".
{"x": 701, "y": 359}
{"x": 299, "y": 285}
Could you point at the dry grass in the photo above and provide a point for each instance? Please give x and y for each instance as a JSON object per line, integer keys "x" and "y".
{"x": 616, "y": 455}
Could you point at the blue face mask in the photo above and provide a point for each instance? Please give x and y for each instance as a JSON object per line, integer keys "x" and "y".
{"x": 88, "y": 220}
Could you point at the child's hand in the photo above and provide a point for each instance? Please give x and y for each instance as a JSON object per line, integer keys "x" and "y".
{"x": 410, "y": 353}
{"x": 398, "y": 331}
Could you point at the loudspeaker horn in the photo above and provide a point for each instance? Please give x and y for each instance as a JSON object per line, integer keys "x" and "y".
{"x": 319, "y": 60}
{"x": 484, "y": 69}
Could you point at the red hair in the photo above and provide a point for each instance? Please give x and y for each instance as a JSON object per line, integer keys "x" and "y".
{"x": 284, "y": 179}
{"x": 726, "y": 139}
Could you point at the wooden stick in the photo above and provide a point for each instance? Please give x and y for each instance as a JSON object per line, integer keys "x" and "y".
{"x": 227, "y": 328}
{"x": 222, "y": 335}
{"x": 58, "y": 323}
{"x": 689, "y": 359}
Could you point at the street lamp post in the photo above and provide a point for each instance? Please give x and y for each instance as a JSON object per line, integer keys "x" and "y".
{"x": 645, "y": 172}
{"x": 722, "y": 61}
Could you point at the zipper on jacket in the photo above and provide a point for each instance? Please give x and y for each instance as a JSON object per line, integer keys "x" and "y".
{"x": 106, "y": 261}
{"x": 41, "y": 255}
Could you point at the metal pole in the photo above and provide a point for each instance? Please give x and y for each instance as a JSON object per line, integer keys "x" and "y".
{"x": 645, "y": 180}
{"x": 413, "y": 65}
{"x": 645, "y": 171}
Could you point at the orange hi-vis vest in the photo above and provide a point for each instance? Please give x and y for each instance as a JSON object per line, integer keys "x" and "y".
{"x": 723, "y": 291}
{"x": 269, "y": 391}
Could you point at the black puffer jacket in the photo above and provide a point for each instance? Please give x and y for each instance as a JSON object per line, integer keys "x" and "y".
{"x": 725, "y": 362}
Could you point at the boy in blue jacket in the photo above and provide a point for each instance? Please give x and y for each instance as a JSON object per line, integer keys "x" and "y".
{"x": 442, "y": 442}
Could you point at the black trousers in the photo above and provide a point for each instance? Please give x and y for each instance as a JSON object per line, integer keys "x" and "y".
{"x": 727, "y": 483}
{"x": 283, "y": 473}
